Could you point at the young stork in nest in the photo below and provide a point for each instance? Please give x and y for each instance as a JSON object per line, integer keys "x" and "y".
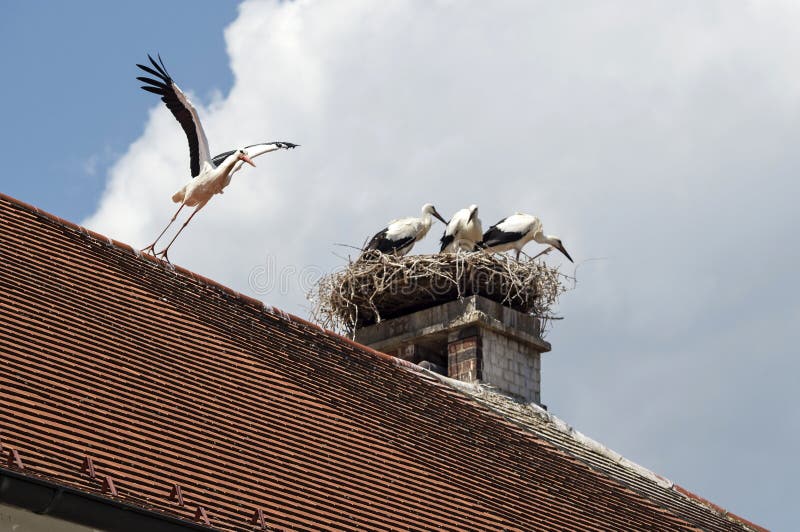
{"x": 209, "y": 174}
{"x": 516, "y": 231}
{"x": 399, "y": 236}
{"x": 463, "y": 231}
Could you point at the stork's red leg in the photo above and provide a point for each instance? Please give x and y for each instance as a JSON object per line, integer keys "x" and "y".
{"x": 152, "y": 247}
{"x": 164, "y": 251}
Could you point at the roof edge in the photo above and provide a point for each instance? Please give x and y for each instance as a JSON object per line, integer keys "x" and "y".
{"x": 719, "y": 509}
{"x": 474, "y": 390}
{"x": 46, "y": 497}
{"x": 251, "y": 301}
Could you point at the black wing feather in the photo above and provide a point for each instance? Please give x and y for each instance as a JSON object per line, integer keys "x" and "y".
{"x": 153, "y": 90}
{"x": 384, "y": 245}
{"x": 217, "y": 159}
{"x": 221, "y": 157}
{"x": 446, "y": 240}
{"x": 376, "y": 240}
{"x": 166, "y": 89}
{"x": 152, "y": 81}
{"x": 280, "y": 144}
{"x": 148, "y": 70}
{"x": 391, "y": 246}
{"x": 161, "y": 68}
{"x": 495, "y": 236}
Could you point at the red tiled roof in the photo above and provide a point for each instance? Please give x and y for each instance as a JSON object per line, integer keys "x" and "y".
{"x": 694, "y": 509}
{"x": 164, "y": 378}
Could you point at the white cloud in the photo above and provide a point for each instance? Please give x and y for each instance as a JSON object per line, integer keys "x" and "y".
{"x": 658, "y": 135}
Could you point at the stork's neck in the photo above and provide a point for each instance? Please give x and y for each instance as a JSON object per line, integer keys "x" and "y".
{"x": 542, "y": 238}
{"x": 226, "y": 167}
{"x": 229, "y": 161}
{"x": 427, "y": 220}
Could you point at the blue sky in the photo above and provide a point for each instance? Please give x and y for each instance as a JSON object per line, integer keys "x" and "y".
{"x": 658, "y": 140}
{"x": 73, "y": 99}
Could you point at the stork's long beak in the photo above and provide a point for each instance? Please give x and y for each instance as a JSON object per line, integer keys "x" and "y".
{"x": 439, "y": 216}
{"x": 564, "y": 251}
{"x": 247, "y": 159}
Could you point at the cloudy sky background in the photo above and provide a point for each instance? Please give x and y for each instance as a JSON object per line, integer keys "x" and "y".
{"x": 657, "y": 139}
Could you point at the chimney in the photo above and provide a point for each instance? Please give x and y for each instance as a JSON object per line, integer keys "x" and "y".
{"x": 473, "y": 340}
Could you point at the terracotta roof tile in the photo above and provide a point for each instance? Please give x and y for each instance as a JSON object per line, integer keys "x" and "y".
{"x": 165, "y": 378}
{"x": 693, "y": 508}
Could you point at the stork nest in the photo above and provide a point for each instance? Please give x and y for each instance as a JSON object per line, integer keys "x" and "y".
{"x": 382, "y": 286}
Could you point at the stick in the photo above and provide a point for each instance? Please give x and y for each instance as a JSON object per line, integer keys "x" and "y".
{"x": 545, "y": 252}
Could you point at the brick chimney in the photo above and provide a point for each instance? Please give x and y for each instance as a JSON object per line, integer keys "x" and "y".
{"x": 473, "y": 340}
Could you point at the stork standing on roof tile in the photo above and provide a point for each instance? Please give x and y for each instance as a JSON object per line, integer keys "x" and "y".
{"x": 463, "y": 231}
{"x": 399, "y": 236}
{"x": 209, "y": 174}
{"x": 516, "y": 231}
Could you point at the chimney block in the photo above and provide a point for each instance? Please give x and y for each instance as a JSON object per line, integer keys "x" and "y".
{"x": 476, "y": 339}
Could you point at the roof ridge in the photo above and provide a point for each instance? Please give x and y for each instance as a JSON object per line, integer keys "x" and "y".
{"x": 474, "y": 389}
{"x": 481, "y": 394}
{"x": 180, "y": 270}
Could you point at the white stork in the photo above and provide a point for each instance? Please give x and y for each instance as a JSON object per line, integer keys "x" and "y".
{"x": 209, "y": 174}
{"x": 463, "y": 231}
{"x": 399, "y": 236}
{"x": 516, "y": 231}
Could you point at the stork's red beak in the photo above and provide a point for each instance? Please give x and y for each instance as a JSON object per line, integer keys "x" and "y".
{"x": 247, "y": 159}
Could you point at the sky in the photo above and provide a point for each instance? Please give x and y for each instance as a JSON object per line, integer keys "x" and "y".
{"x": 656, "y": 139}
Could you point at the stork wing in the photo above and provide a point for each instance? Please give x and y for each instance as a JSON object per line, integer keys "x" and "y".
{"x": 253, "y": 151}
{"x": 181, "y": 109}
{"x": 265, "y": 147}
{"x": 509, "y": 229}
{"x": 378, "y": 241}
{"x": 496, "y": 236}
{"x": 445, "y": 241}
{"x": 382, "y": 243}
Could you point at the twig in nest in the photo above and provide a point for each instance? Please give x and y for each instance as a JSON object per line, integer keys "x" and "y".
{"x": 383, "y": 286}
{"x": 349, "y": 246}
{"x": 544, "y": 252}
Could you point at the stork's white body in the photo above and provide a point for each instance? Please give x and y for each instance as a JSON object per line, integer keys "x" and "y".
{"x": 516, "y": 231}
{"x": 200, "y": 189}
{"x": 400, "y": 235}
{"x": 414, "y": 229}
{"x": 524, "y": 227}
{"x": 463, "y": 232}
{"x": 213, "y": 179}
